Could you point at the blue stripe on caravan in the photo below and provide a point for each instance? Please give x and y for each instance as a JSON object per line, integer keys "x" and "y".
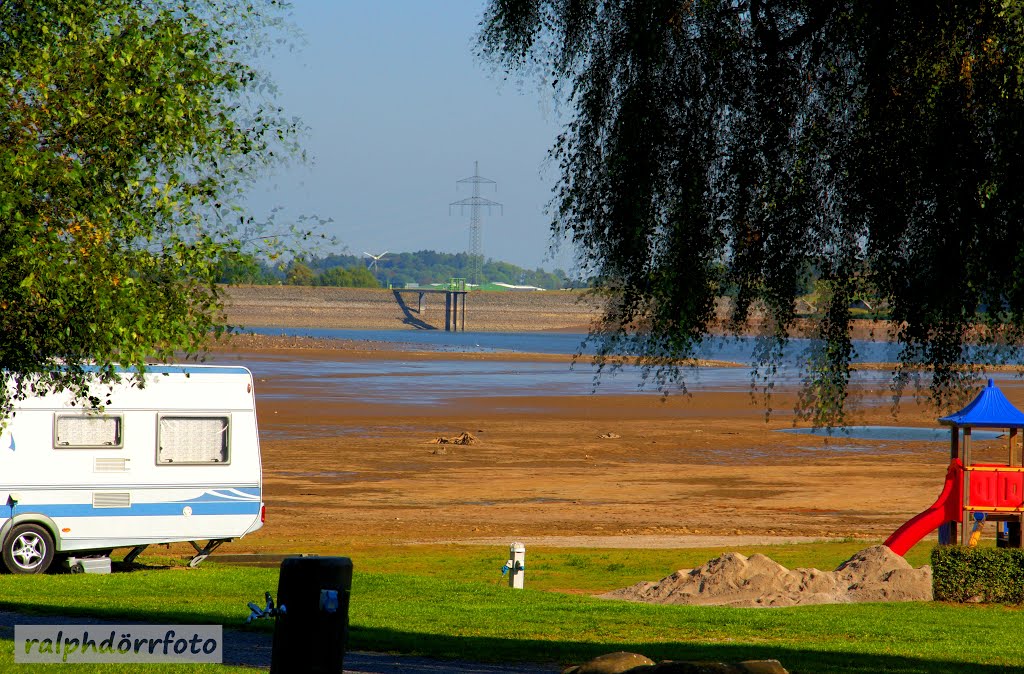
{"x": 140, "y": 509}
{"x": 194, "y": 369}
{"x": 222, "y": 494}
{"x": 178, "y": 369}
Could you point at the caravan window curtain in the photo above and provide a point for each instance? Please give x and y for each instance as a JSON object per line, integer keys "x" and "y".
{"x": 184, "y": 440}
{"x": 73, "y": 431}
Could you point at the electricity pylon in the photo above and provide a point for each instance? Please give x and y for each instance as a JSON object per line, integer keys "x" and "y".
{"x": 476, "y": 204}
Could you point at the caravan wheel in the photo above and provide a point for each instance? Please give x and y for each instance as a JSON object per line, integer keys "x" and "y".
{"x": 28, "y": 549}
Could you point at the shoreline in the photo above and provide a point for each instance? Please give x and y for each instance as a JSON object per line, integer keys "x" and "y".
{"x": 365, "y": 349}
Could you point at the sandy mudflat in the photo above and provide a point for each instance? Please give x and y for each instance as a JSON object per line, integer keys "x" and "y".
{"x": 487, "y": 311}
{"x": 624, "y": 470}
{"x": 382, "y": 309}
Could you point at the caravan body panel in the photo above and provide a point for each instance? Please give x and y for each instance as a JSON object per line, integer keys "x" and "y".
{"x": 177, "y": 460}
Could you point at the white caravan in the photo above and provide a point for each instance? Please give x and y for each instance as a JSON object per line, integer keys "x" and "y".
{"x": 177, "y": 460}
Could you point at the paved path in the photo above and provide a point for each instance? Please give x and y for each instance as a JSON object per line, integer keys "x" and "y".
{"x": 252, "y": 649}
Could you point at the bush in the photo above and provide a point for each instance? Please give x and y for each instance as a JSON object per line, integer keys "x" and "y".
{"x": 992, "y": 575}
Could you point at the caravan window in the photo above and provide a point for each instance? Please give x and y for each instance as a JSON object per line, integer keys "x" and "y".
{"x": 78, "y": 431}
{"x": 192, "y": 440}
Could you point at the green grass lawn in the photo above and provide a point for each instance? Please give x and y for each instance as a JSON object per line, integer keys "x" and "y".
{"x": 449, "y": 601}
{"x": 596, "y": 570}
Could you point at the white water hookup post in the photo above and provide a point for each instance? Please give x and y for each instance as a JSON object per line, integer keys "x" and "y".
{"x": 516, "y": 565}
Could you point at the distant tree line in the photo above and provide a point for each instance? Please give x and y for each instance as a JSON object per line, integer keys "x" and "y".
{"x": 396, "y": 269}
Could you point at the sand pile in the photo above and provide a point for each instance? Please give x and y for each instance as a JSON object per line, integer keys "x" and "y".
{"x": 873, "y": 574}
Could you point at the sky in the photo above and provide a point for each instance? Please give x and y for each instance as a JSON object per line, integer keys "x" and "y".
{"x": 398, "y": 110}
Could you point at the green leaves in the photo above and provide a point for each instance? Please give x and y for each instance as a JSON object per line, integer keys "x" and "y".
{"x": 991, "y": 575}
{"x": 724, "y": 150}
{"x": 124, "y": 134}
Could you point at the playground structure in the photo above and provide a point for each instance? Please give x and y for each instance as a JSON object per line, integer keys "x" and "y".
{"x": 974, "y": 492}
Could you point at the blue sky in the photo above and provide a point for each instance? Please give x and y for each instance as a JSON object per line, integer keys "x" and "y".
{"x": 399, "y": 108}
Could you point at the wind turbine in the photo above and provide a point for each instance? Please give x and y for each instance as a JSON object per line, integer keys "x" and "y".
{"x": 376, "y": 258}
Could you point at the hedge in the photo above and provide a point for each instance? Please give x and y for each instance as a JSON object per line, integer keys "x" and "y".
{"x": 963, "y": 574}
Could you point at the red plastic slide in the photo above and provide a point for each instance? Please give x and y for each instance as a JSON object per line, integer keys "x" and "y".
{"x": 948, "y": 508}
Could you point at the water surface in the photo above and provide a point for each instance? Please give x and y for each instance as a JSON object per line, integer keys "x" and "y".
{"x": 439, "y": 382}
{"x": 735, "y": 349}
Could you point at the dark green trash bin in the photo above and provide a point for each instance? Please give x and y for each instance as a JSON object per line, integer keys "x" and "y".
{"x": 311, "y": 628}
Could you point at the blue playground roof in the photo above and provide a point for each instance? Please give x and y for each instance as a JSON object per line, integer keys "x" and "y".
{"x": 990, "y": 409}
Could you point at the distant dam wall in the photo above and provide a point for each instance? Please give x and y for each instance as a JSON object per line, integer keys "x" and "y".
{"x": 382, "y": 309}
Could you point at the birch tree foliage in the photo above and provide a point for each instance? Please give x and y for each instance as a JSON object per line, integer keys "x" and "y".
{"x": 129, "y": 129}
{"x": 736, "y": 148}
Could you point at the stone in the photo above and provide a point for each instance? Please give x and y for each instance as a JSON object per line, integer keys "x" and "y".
{"x": 611, "y": 663}
{"x": 696, "y": 667}
{"x": 633, "y": 663}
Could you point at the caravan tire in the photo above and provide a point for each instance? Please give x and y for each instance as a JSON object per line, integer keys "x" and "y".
{"x": 28, "y": 549}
